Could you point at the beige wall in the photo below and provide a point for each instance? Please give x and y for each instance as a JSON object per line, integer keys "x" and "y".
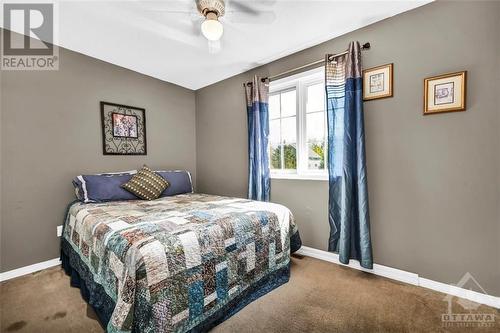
{"x": 433, "y": 181}
{"x": 51, "y": 132}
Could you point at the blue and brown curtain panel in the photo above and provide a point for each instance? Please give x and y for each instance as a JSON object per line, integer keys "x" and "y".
{"x": 257, "y": 98}
{"x": 348, "y": 192}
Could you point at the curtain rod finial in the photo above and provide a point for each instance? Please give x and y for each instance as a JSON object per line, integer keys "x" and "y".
{"x": 366, "y": 46}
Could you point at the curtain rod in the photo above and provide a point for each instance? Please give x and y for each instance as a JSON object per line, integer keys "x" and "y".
{"x": 365, "y": 46}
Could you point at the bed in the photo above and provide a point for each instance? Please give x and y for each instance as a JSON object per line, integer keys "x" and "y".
{"x": 181, "y": 263}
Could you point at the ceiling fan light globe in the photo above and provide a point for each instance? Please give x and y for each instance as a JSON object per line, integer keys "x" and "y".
{"x": 212, "y": 29}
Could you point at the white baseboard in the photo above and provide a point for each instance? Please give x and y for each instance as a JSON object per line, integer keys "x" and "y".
{"x": 29, "y": 269}
{"x": 471, "y": 295}
{"x": 404, "y": 276}
{"x": 389, "y": 272}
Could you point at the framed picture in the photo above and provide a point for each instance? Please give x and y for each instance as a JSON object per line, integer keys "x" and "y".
{"x": 123, "y": 129}
{"x": 377, "y": 82}
{"x": 445, "y": 93}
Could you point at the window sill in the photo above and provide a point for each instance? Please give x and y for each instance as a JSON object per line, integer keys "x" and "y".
{"x": 294, "y": 176}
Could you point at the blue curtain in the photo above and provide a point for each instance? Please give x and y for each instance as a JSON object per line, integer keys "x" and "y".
{"x": 348, "y": 192}
{"x": 257, "y": 96}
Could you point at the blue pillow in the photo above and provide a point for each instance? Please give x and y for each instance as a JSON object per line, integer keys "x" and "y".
{"x": 103, "y": 187}
{"x": 179, "y": 180}
{"x": 107, "y": 186}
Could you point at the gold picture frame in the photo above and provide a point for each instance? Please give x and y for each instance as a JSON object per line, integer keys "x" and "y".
{"x": 445, "y": 93}
{"x": 378, "y": 82}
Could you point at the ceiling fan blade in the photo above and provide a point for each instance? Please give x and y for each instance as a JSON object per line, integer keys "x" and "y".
{"x": 243, "y": 7}
{"x": 262, "y": 17}
{"x": 266, "y": 2}
{"x": 248, "y": 6}
{"x": 196, "y": 25}
{"x": 170, "y": 11}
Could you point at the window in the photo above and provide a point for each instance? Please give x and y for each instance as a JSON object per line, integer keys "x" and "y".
{"x": 297, "y": 126}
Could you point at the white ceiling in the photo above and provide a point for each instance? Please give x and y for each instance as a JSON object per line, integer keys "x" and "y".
{"x": 161, "y": 38}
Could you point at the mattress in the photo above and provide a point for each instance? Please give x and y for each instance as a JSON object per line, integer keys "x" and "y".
{"x": 175, "y": 264}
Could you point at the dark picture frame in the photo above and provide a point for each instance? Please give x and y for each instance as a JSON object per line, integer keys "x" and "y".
{"x": 123, "y": 129}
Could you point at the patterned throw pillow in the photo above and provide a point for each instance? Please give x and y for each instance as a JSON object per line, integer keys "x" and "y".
{"x": 146, "y": 184}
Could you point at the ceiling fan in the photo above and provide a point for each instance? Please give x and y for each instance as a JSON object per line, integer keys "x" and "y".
{"x": 212, "y": 10}
{"x": 208, "y": 19}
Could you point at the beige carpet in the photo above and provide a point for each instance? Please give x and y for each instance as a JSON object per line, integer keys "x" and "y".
{"x": 320, "y": 297}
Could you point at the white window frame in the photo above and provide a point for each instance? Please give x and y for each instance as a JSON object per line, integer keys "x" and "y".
{"x": 300, "y": 82}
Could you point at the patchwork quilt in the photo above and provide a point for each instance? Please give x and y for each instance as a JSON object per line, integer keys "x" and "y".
{"x": 169, "y": 264}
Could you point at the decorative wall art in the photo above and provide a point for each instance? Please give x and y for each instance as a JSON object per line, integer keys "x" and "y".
{"x": 123, "y": 129}
{"x": 377, "y": 82}
{"x": 445, "y": 93}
